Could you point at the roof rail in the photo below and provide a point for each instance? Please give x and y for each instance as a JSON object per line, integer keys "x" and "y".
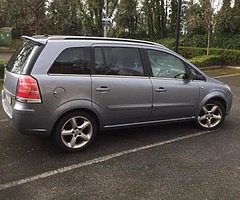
{"x": 111, "y": 39}
{"x": 42, "y": 39}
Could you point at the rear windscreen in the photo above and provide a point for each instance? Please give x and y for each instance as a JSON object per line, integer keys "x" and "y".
{"x": 20, "y": 58}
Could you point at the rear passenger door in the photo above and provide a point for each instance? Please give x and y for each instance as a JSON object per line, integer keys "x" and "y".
{"x": 121, "y": 93}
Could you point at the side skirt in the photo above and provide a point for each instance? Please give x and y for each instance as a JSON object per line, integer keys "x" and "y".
{"x": 149, "y": 122}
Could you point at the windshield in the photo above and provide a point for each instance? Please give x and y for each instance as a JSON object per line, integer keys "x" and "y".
{"x": 19, "y": 59}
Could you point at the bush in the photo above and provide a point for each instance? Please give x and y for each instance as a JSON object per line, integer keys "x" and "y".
{"x": 2, "y": 62}
{"x": 231, "y": 57}
{"x": 225, "y": 41}
{"x": 221, "y": 41}
{"x": 207, "y": 61}
{"x": 195, "y": 41}
{"x": 190, "y": 52}
{"x": 168, "y": 42}
{"x": 15, "y": 43}
{"x": 171, "y": 42}
{"x": 222, "y": 56}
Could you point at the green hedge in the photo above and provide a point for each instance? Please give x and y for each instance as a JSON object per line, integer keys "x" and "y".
{"x": 207, "y": 61}
{"x": 231, "y": 57}
{"x": 226, "y": 56}
{"x": 190, "y": 52}
{"x": 2, "y": 62}
{"x": 168, "y": 42}
{"x": 223, "y": 41}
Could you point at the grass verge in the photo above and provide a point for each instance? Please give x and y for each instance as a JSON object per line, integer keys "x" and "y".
{"x": 221, "y": 71}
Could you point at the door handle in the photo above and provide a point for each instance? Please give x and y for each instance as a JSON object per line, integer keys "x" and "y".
{"x": 103, "y": 89}
{"x": 161, "y": 89}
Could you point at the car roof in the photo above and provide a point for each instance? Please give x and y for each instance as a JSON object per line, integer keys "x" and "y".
{"x": 43, "y": 39}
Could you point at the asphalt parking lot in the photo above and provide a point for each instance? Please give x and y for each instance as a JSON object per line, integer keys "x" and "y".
{"x": 174, "y": 161}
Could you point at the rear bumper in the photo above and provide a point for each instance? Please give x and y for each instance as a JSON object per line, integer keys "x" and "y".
{"x": 30, "y": 121}
{"x": 6, "y": 107}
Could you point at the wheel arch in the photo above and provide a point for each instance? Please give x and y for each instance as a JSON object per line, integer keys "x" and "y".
{"x": 220, "y": 100}
{"x": 214, "y": 96}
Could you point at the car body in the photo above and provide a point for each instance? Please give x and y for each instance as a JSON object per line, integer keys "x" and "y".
{"x": 70, "y": 87}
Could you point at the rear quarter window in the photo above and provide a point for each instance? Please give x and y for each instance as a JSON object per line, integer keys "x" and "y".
{"x": 18, "y": 62}
{"x": 74, "y": 60}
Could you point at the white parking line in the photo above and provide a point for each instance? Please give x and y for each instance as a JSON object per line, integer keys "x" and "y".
{"x": 229, "y": 75}
{"x": 3, "y": 120}
{"x": 96, "y": 160}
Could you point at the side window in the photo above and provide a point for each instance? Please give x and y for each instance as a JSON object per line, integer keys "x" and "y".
{"x": 99, "y": 61}
{"x": 72, "y": 61}
{"x": 165, "y": 65}
{"x": 118, "y": 61}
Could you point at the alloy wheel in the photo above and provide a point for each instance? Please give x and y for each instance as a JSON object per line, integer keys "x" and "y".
{"x": 211, "y": 116}
{"x": 76, "y": 132}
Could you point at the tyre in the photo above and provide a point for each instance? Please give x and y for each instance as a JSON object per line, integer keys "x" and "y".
{"x": 75, "y": 131}
{"x": 211, "y": 116}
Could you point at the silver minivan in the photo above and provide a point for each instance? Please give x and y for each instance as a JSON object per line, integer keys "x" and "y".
{"x": 71, "y": 87}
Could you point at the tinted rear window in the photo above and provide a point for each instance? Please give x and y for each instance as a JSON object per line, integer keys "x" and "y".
{"x": 74, "y": 60}
{"x": 20, "y": 58}
{"x": 118, "y": 61}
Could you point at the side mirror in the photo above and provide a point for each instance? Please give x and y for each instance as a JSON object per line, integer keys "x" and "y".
{"x": 189, "y": 75}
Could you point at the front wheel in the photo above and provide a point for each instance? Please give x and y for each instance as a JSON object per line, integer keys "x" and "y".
{"x": 211, "y": 116}
{"x": 75, "y": 131}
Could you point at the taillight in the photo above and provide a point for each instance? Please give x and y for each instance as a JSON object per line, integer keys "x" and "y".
{"x": 27, "y": 90}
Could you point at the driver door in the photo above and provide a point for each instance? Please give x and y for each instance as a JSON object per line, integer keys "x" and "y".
{"x": 174, "y": 96}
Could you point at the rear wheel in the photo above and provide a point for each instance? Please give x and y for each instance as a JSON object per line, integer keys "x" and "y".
{"x": 211, "y": 116}
{"x": 75, "y": 131}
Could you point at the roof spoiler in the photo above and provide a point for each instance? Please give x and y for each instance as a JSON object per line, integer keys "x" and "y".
{"x": 37, "y": 41}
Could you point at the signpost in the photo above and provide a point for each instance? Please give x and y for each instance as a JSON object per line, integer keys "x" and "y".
{"x": 178, "y": 24}
{"x": 106, "y": 22}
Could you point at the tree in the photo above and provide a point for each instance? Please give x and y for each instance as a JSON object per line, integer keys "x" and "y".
{"x": 172, "y": 22}
{"x": 199, "y": 17}
{"x": 96, "y": 13}
{"x": 154, "y": 18}
{"x": 224, "y": 20}
{"x": 26, "y": 15}
{"x": 236, "y": 16}
{"x": 37, "y": 9}
{"x": 208, "y": 18}
{"x": 110, "y": 8}
{"x": 126, "y": 18}
{"x": 64, "y": 17}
